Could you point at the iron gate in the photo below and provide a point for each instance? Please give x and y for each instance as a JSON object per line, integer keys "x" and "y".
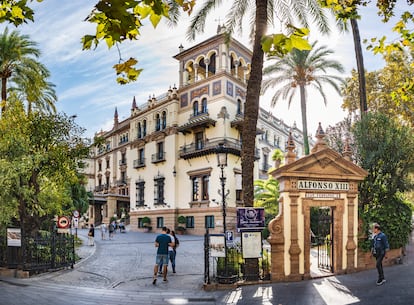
{"x": 324, "y": 237}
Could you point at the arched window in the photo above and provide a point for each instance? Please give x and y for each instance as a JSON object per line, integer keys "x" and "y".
{"x": 164, "y": 120}
{"x": 195, "y": 108}
{"x": 144, "y": 128}
{"x": 204, "y": 105}
{"x": 157, "y": 122}
{"x": 212, "y": 65}
{"x": 239, "y": 107}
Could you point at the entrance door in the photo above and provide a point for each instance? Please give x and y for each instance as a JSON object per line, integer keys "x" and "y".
{"x": 322, "y": 240}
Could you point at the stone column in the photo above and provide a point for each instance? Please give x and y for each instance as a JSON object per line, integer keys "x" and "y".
{"x": 350, "y": 244}
{"x": 294, "y": 249}
{"x": 277, "y": 242}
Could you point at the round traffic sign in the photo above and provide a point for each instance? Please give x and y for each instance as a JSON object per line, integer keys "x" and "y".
{"x": 76, "y": 214}
{"x": 63, "y": 222}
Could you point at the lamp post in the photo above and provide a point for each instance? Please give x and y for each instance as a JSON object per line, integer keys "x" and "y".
{"x": 222, "y": 163}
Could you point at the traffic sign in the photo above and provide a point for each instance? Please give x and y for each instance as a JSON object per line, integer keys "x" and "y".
{"x": 63, "y": 222}
{"x": 76, "y": 213}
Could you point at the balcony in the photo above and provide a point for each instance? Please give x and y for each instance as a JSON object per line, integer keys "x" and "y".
{"x": 158, "y": 157}
{"x": 101, "y": 188}
{"x": 207, "y": 147}
{"x": 120, "y": 182}
{"x": 199, "y": 120}
{"x": 138, "y": 163}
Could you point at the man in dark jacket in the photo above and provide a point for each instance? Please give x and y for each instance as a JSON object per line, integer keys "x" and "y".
{"x": 379, "y": 247}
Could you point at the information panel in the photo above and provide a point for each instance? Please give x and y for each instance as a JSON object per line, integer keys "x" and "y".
{"x": 252, "y": 244}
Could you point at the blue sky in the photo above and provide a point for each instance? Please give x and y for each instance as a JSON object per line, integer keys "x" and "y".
{"x": 85, "y": 81}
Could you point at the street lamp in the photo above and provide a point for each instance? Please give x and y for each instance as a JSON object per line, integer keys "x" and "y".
{"x": 222, "y": 163}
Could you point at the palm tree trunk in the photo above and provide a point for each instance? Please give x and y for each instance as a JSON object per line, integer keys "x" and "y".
{"x": 251, "y": 108}
{"x": 304, "y": 119}
{"x": 3, "y": 94}
{"x": 360, "y": 65}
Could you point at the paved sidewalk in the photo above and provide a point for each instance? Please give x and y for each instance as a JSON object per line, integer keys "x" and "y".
{"x": 119, "y": 272}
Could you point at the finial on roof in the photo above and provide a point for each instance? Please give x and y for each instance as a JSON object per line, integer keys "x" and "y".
{"x": 347, "y": 152}
{"x": 116, "y": 121}
{"x": 320, "y": 140}
{"x": 134, "y": 103}
{"x": 290, "y": 147}
{"x": 181, "y": 48}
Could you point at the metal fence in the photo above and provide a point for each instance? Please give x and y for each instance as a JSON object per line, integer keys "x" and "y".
{"x": 46, "y": 252}
{"x": 235, "y": 268}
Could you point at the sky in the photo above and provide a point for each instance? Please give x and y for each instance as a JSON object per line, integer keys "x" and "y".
{"x": 86, "y": 83}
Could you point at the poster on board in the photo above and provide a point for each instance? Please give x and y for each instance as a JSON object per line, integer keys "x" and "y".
{"x": 217, "y": 245}
{"x": 251, "y": 244}
{"x": 14, "y": 237}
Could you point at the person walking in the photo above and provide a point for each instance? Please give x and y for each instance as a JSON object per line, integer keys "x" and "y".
{"x": 379, "y": 247}
{"x": 162, "y": 242}
{"x": 172, "y": 254}
{"x": 103, "y": 231}
{"x": 91, "y": 236}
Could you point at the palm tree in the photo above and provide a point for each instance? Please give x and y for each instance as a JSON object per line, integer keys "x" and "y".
{"x": 17, "y": 56}
{"x": 263, "y": 12}
{"x": 300, "y": 69}
{"x": 266, "y": 195}
{"x": 34, "y": 88}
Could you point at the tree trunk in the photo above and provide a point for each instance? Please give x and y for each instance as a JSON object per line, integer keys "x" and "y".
{"x": 304, "y": 119}
{"x": 251, "y": 108}
{"x": 360, "y": 65}
{"x": 3, "y": 94}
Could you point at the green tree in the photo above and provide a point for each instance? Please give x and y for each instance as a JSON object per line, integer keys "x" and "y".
{"x": 385, "y": 148}
{"x": 18, "y": 63}
{"x": 298, "y": 70}
{"x": 266, "y": 195}
{"x": 40, "y": 156}
{"x": 381, "y": 86}
{"x": 33, "y": 88}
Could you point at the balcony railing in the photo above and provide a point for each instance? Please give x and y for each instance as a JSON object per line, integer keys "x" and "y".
{"x": 206, "y": 147}
{"x": 158, "y": 157}
{"x": 138, "y": 163}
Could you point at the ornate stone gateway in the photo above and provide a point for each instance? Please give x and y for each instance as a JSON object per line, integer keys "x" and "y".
{"x": 326, "y": 182}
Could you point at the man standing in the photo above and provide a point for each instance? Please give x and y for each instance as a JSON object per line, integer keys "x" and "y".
{"x": 162, "y": 242}
{"x": 379, "y": 247}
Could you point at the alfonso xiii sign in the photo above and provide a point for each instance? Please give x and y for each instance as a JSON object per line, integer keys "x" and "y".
{"x": 323, "y": 185}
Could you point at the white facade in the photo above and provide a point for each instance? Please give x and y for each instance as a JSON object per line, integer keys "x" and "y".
{"x": 161, "y": 161}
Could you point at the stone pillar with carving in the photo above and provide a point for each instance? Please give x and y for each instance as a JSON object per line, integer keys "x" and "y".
{"x": 277, "y": 242}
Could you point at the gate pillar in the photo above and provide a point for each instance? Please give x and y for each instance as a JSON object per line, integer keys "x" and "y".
{"x": 323, "y": 179}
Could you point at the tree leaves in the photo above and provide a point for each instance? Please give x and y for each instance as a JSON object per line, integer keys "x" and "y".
{"x": 280, "y": 44}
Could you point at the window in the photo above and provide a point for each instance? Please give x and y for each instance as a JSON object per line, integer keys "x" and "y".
{"x": 123, "y": 159}
{"x": 139, "y": 135}
{"x": 107, "y": 181}
{"x": 144, "y": 128}
{"x": 265, "y": 160}
{"x": 164, "y": 120}
{"x": 99, "y": 166}
{"x": 160, "y": 150}
{"x": 140, "y": 224}
{"x": 107, "y": 163}
{"x": 159, "y": 190}
{"x": 204, "y": 105}
{"x": 200, "y": 186}
{"x": 199, "y": 140}
{"x": 141, "y": 156}
{"x": 239, "y": 191}
{"x": 209, "y": 221}
{"x": 140, "y": 187}
{"x": 239, "y": 107}
{"x": 157, "y": 122}
{"x": 195, "y": 189}
{"x": 195, "y": 108}
{"x": 204, "y": 194}
{"x": 123, "y": 178}
{"x": 189, "y": 221}
{"x": 99, "y": 181}
{"x": 160, "y": 222}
